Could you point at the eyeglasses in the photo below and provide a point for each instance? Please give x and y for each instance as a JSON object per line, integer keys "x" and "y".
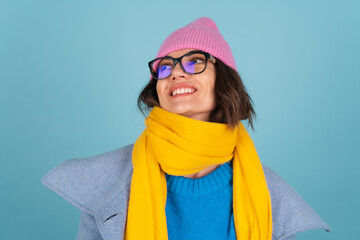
{"x": 193, "y": 62}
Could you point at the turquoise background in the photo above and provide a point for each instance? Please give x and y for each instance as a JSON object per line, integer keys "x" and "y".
{"x": 71, "y": 71}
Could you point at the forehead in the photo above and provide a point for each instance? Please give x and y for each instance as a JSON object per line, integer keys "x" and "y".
{"x": 179, "y": 53}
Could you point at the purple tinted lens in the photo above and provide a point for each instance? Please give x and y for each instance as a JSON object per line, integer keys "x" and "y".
{"x": 189, "y": 66}
{"x": 164, "y": 71}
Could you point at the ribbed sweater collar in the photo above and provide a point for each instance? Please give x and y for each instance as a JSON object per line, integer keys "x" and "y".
{"x": 215, "y": 180}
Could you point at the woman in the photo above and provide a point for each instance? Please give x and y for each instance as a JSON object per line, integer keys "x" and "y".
{"x": 194, "y": 172}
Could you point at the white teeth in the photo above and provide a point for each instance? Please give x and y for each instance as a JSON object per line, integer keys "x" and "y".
{"x": 182, "y": 90}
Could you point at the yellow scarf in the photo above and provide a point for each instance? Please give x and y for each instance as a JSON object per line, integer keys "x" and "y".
{"x": 179, "y": 145}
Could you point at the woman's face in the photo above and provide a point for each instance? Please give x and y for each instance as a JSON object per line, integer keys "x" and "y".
{"x": 196, "y": 104}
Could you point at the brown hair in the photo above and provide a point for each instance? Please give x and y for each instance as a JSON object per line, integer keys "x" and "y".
{"x": 233, "y": 101}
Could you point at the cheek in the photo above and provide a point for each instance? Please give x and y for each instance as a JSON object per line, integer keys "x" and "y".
{"x": 213, "y": 94}
{"x": 211, "y": 81}
{"x": 160, "y": 90}
{"x": 212, "y": 87}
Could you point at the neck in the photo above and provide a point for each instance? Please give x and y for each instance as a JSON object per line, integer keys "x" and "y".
{"x": 197, "y": 116}
{"x": 202, "y": 173}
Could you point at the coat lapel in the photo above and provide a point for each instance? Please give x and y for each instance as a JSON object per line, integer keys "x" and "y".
{"x": 111, "y": 217}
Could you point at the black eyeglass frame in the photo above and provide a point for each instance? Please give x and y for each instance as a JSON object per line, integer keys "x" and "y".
{"x": 178, "y": 60}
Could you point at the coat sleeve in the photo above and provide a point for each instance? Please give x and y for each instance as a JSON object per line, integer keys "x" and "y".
{"x": 87, "y": 228}
{"x": 290, "y": 212}
{"x": 291, "y": 237}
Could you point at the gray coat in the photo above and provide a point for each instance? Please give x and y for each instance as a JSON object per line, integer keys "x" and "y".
{"x": 100, "y": 185}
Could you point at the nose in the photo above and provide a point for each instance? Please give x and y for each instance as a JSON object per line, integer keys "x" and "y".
{"x": 177, "y": 72}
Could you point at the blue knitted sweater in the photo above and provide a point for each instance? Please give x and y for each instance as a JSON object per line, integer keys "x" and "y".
{"x": 201, "y": 208}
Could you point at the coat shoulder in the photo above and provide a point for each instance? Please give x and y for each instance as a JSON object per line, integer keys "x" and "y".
{"x": 90, "y": 182}
{"x": 290, "y": 212}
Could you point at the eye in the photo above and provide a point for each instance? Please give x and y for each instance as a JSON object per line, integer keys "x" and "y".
{"x": 164, "y": 71}
{"x": 197, "y": 60}
{"x": 164, "y": 67}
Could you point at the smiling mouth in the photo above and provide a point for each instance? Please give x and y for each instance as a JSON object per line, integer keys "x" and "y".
{"x": 182, "y": 91}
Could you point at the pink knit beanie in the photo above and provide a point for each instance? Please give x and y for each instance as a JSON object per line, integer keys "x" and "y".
{"x": 201, "y": 34}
